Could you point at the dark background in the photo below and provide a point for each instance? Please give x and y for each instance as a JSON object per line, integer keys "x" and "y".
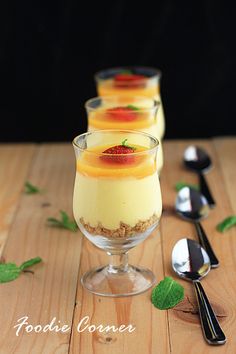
{"x": 50, "y": 51}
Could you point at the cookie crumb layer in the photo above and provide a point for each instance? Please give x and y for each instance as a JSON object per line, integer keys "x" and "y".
{"x": 123, "y": 231}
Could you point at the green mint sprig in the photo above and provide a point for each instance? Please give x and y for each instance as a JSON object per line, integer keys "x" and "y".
{"x": 124, "y": 143}
{"x": 227, "y": 223}
{"x": 180, "y": 185}
{"x": 126, "y": 72}
{"x": 64, "y": 223}
{"x": 31, "y": 189}
{"x": 134, "y": 108}
{"x": 167, "y": 294}
{"x": 10, "y": 271}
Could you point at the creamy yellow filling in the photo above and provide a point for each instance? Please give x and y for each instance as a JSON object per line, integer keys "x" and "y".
{"x": 111, "y": 201}
{"x": 160, "y": 119}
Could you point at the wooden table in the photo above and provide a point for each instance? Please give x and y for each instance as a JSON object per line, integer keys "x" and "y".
{"x": 54, "y": 290}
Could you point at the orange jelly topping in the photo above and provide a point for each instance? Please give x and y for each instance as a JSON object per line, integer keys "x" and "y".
{"x": 102, "y": 119}
{"x": 107, "y": 88}
{"x": 90, "y": 163}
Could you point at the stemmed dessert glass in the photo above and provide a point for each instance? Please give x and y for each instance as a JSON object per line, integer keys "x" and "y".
{"x": 132, "y": 81}
{"x": 117, "y": 204}
{"x": 131, "y": 113}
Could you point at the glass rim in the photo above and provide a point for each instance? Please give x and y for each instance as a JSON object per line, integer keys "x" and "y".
{"x": 156, "y": 72}
{"x": 156, "y": 103}
{"x": 104, "y": 131}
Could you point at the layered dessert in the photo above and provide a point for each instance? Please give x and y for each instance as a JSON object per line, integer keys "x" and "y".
{"x": 136, "y": 81}
{"x": 138, "y": 113}
{"x": 117, "y": 193}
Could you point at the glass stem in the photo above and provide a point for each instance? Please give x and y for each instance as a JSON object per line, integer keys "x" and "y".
{"x": 118, "y": 263}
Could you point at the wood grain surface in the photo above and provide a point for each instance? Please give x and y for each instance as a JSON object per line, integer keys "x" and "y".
{"x": 226, "y": 154}
{"x": 185, "y": 330}
{"x": 15, "y": 162}
{"x": 54, "y": 290}
{"x": 51, "y": 291}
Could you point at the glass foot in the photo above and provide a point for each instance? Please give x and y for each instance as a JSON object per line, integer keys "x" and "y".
{"x": 131, "y": 281}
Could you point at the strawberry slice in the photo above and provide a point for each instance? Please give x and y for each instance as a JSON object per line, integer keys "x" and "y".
{"x": 123, "y": 114}
{"x": 117, "y": 150}
{"x": 127, "y": 80}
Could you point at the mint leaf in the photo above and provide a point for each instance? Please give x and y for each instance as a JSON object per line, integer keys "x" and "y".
{"x": 10, "y": 271}
{"x": 180, "y": 185}
{"x": 226, "y": 223}
{"x": 124, "y": 143}
{"x": 54, "y": 222}
{"x": 31, "y": 189}
{"x": 134, "y": 108}
{"x": 126, "y": 72}
{"x": 64, "y": 223}
{"x": 30, "y": 263}
{"x": 167, "y": 294}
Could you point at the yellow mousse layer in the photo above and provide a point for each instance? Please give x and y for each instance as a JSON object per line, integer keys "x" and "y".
{"x": 111, "y": 201}
{"x": 110, "y": 194}
{"x": 160, "y": 118}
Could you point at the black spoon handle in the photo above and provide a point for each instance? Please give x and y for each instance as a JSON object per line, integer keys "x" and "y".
{"x": 206, "y": 191}
{"x": 203, "y": 239}
{"x": 210, "y": 325}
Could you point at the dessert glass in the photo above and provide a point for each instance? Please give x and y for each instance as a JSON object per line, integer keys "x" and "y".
{"x": 137, "y": 113}
{"x": 147, "y": 83}
{"x": 117, "y": 204}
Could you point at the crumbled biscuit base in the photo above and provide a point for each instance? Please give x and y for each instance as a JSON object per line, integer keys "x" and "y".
{"x": 124, "y": 229}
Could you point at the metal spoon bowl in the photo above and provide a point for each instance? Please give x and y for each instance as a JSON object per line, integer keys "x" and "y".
{"x": 192, "y": 206}
{"x": 197, "y": 160}
{"x": 191, "y": 262}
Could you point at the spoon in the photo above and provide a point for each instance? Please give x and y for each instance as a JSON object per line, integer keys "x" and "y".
{"x": 197, "y": 160}
{"x": 192, "y": 206}
{"x": 191, "y": 262}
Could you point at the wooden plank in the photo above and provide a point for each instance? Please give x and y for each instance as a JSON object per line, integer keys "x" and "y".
{"x": 185, "y": 331}
{"x": 14, "y": 166}
{"x": 51, "y": 291}
{"x": 226, "y": 153}
{"x": 151, "y": 334}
